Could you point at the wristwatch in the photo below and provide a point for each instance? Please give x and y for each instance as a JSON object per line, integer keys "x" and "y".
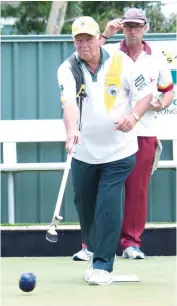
{"x": 105, "y": 37}
{"x": 136, "y": 116}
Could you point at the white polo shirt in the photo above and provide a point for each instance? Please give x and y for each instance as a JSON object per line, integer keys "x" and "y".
{"x": 158, "y": 75}
{"x": 110, "y": 92}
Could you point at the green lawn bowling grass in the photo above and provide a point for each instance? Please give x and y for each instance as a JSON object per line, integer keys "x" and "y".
{"x": 60, "y": 282}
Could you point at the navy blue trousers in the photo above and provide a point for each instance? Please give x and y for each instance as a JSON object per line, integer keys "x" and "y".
{"x": 98, "y": 190}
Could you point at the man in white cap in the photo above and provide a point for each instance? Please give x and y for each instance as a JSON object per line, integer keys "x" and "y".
{"x": 157, "y": 72}
{"x": 104, "y": 154}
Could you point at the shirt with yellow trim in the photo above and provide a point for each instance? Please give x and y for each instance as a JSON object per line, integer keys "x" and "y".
{"x": 110, "y": 92}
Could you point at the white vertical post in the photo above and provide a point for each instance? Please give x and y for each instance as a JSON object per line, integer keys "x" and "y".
{"x": 11, "y": 201}
{"x": 10, "y": 157}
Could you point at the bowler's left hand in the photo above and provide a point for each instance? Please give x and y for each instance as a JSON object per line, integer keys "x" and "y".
{"x": 126, "y": 123}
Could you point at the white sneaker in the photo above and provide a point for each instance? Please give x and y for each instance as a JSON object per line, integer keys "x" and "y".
{"x": 100, "y": 277}
{"x": 89, "y": 269}
{"x": 83, "y": 254}
{"x": 133, "y": 253}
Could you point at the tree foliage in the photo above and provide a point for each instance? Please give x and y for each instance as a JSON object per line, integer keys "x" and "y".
{"x": 155, "y": 17}
{"x": 171, "y": 24}
{"x": 32, "y": 16}
{"x": 103, "y": 11}
{"x": 74, "y": 10}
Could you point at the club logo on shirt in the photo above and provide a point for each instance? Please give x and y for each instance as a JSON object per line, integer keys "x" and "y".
{"x": 152, "y": 80}
{"x": 112, "y": 90}
{"x": 61, "y": 89}
{"x": 140, "y": 82}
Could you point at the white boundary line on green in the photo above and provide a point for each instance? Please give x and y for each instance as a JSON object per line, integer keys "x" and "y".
{"x": 77, "y": 227}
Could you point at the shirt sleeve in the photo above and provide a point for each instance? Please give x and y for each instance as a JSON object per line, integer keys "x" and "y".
{"x": 164, "y": 82}
{"x": 67, "y": 83}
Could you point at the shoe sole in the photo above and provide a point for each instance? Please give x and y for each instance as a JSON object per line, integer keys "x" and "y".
{"x": 134, "y": 258}
{"x": 139, "y": 257}
{"x": 79, "y": 259}
{"x": 125, "y": 256}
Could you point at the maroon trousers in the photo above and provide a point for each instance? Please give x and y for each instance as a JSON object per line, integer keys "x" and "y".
{"x": 136, "y": 194}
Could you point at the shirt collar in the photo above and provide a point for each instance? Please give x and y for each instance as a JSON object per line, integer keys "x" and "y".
{"x": 146, "y": 48}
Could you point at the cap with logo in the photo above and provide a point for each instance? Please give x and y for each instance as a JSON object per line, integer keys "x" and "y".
{"x": 85, "y": 25}
{"x": 134, "y": 15}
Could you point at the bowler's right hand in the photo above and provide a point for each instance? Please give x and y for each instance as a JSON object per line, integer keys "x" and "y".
{"x": 72, "y": 138}
{"x": 114, "y": 26}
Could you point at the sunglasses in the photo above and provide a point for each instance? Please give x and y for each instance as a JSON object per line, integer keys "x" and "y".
{"x": 135, "y": 26}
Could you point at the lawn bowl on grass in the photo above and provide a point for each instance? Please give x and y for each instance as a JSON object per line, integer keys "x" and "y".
{"x": 27, "y": 282}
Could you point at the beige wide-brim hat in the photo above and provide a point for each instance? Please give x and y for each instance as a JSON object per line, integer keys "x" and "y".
{"x": 85, "y": 25}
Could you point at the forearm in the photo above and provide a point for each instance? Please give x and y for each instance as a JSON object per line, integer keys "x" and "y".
{"x": 103, "y": 40}
{"x": 112, "y": 27}
{"x": 70, "y": 116}
{"x": 142, "y": 106}
{"x": 167, "y": 98}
